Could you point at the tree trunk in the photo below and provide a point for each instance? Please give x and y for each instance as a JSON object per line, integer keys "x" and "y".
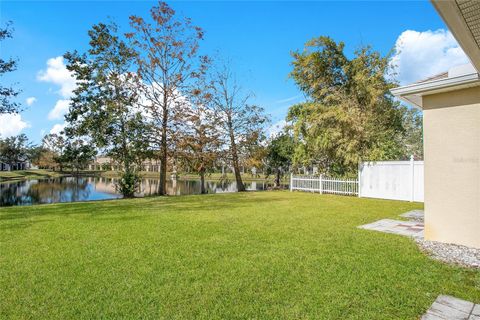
{"x": 277, "y": 179}
{"x": 202, "y": 182}
{"x": 162, "y": 188}
{"x": 236, "y": 167}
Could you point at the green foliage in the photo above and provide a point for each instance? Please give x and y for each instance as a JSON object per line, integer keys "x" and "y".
{"x": 105, "y": 106}
{"x": 350, "y": 114}
{"x": 128, "y": 183}
{"x": 77, "y": 154}
{"x": 56, "y": 144}
{"x": 256, "y": 255}
{"x": 16, "y": 149}
{"x": 7, "y": 65}
{"x": 279, "y": 157}
{"x": 413, "y": 138}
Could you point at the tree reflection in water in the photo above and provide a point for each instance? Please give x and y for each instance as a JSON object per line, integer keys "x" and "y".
{"x": 70, "y": 189}
{"x": 66, "y": 189}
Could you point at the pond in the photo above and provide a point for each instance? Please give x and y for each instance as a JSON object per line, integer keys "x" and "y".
{"x": 72, "y": 189}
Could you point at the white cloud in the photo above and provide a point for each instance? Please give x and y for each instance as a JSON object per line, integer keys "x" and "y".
{"x": 60, "y": 109}
{"x": 11, "y": 125}
{"x": 423, "y": 54}
{"x": 30, "y": 100}
{"x": 57, "y": 128}
{"x": 276, "y": 128}
{"x": 58, "y": 74}
{"x": 297, "y": 97}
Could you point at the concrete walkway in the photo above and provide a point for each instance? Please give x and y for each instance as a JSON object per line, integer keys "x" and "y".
{"x": 412, "y": 229}
{"x": 415, "y": 215}
{"x": 451, "y": 308}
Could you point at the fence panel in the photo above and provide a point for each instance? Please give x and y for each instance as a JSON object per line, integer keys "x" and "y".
{"x": 395, "y": 180}
{"x": 323, "y": 184}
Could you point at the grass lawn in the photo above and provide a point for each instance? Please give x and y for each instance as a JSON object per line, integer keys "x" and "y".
{"x": 264, "y": 255}
{"x": 28, "y": 174}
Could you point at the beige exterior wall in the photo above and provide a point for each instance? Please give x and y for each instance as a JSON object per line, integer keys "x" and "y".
{"x": 452, "y": 167}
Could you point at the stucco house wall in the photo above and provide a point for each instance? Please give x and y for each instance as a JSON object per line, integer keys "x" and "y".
{"x": 452, "y": 166}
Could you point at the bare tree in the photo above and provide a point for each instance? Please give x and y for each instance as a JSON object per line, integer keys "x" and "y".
{"x": 168, "y": 61}
{"x": 242, "y": 123}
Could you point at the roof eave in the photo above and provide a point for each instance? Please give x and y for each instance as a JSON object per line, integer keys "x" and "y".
{"x": 413, "y": 93}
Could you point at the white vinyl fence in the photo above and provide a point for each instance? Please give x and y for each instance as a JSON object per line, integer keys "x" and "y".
{"x": 396, "y": 180}
{"x": 323, "y": 184}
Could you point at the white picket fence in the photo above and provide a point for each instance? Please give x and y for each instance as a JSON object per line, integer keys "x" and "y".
{"x": 322, "y": 184}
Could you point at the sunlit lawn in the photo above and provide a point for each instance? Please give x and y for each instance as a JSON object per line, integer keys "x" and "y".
{"x": 28, "y": 174}
{"x": 265, "y": 255}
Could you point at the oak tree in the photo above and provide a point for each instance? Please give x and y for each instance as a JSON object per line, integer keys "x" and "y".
{"x": 350, "y": 114}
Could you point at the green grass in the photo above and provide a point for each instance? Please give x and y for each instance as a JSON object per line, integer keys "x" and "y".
{"x": 265, "y": 255}
{"x": 28, "y": 174}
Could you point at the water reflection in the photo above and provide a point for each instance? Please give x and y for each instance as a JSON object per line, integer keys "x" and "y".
{"x": 70, "y": 189}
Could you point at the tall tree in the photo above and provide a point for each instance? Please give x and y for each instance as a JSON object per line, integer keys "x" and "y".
{"x": 7, "y": 65}
{"x": 168, "y": 62}
{"x": 280, "y": 155}
{"x": 15, "y": 149}
{"x": 78, "y": 154}
{"x": 200, "y": 138}
{"x": 350, "y": 114}
{"x": 242, "y": 123}
{"x": 56, "y": 144}
{"x": 105, "y": 105}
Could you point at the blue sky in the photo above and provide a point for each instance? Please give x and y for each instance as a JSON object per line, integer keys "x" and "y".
{"x": 257, "y": 36}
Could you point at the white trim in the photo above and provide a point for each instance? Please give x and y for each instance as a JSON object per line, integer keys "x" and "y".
{"x": 425, "y": 87}
{"x": 412, "y": 93}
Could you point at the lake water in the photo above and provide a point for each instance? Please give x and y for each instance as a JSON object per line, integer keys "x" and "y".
{"x": 72, "y": 189}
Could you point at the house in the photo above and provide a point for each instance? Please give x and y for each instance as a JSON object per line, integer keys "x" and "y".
{"x": 21, "y": 165}
{"x": 451, "y": 115}
{"x": 107, "y": 163}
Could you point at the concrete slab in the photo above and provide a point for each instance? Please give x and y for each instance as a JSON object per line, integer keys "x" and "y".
{"x": 405, "y": 228}
{"x": 476, "y": 310}
{"x": 455, "y": 303}
{"x": 451, "y": 308}
{"x": 416, "y": 215}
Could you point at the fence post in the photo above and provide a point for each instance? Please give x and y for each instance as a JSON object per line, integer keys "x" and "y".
{"x": 291, "y": 181}
{"x": 359, "y": 180}
{"x": 321, "y": 183}
{"x": 412, "y": 176}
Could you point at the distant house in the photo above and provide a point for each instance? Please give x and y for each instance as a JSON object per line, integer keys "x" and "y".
{"x": 451, "y": 119}
{"x": 22, "y": 165}
{"x": 107, "y": 163}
